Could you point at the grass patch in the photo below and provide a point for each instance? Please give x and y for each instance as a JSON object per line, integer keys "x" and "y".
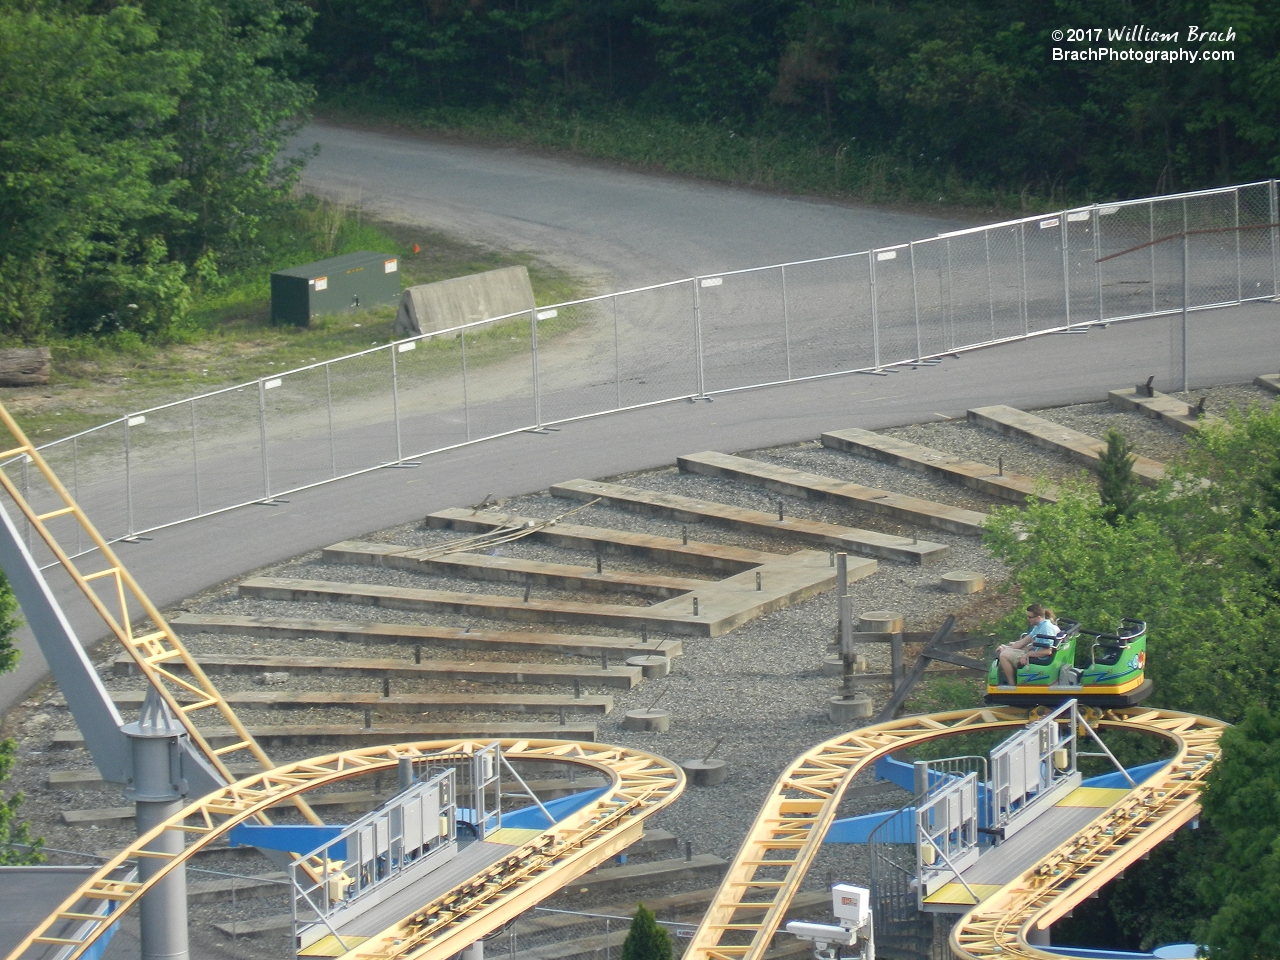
{"x": 771, "y": 160}
{"x": 228, "y": 338}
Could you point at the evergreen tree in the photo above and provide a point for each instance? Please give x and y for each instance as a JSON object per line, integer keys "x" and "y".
{"x": 1117, "y": 485}
{"x": 646, "y": 940}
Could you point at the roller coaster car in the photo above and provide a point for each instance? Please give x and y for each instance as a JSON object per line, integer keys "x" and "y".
{"x": 1113, "y": 677}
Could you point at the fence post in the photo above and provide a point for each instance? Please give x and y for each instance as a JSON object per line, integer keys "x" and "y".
{"x": 786, "y": 321}
{"x": 195, "y": 456}
{"x": 991, "y": 298}
{"x": 1066, "y": 270}
{"x": 949, "y": 317}
{"x": 1151, "y": 217}
{"x": 697, "y": 334}
{"x": 395, "y": 399}
{"x": 915, "y": 300}
{"x": 1273, "y": 211}
{"x": 617, "y": 352}
{"x": 533, "y": 349}
{"x": 128, "y": 480}
{"x": 1097, "y": 254}
{"x": 466, "y": 405}
{"x": 875, "y": 320}
{"x": 75, "y": 483}
{"x": 1022, "y": 261}
{"x": 262, "y": 434}
{"x": 1186, "y": 293}
{"x": 1235, "y": 196}
{"x": 328, "y": 399}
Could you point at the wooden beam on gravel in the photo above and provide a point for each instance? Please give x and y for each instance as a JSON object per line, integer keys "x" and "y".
{"x": 412, "y": 634}
{"x": 1179, "y": 414}
{"x": 812, "y": 486}
{"x": 1269, "y": 382}
{"x": 560, "y": 576}
{"x": 1080, "y": 447}
{"x": 716, "y": 608}
{"x": 712, "y": 557}
{"x": 676, "y": 507}
{"x": 350, "y": 736}
{"x": 412, "y": 703}
{"x": 481, "y": 671}
{"x": 913, "y": 456}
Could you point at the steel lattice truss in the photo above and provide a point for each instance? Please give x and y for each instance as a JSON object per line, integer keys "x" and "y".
{"x": 640, "y": 784}
{"x": 788, "y": 832}
{"x": 157, "y": 652}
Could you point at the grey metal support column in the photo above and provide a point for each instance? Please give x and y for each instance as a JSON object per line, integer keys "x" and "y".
{"x": 473, "y": 952}
{"x": 157, "y": 790}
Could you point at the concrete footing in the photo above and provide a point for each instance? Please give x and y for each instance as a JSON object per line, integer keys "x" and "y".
{"x": 647, "y": 721}
{"x": 880, "y": 621}
{"x": 705, "y": 773}
{"x": 844, "y": 711}
{"x": 963, "y": 581}
{"x": 651, "y": 665}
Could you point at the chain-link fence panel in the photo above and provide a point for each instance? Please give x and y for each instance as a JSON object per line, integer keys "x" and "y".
{"x": 578, "y": 371}
{"x": 742, "y": 329}
{"x": 430, "y": 401}
{"x": 1259, "y": 267}
{"x": 829, "y": 316}
{"x": 160, "y": 461}
{"x": 896, "y": 330}
{"x": 970, "y": 287}
{"x": 1044, "y": 273}
{"x": 1166, "y": 256}
{"x": 1004, "y": 278}
{"x": 1083, "y": 270}
{"x": 499, "y": 381}
{"x": 1215, "y": 270}
{"x": 91, "y": 465}
{"x": 929, "y": 268}
{"x": 364, "y": 430}
{"x": 1127, "y": 278}
{"x": 227, "y": 461}
{"x": 657, "y": 347}
{"x": 299, "y": 440}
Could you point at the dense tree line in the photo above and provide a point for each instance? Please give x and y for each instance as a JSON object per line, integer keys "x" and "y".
{"x": 138, "y": 146}
{"x": 962, "y": 88}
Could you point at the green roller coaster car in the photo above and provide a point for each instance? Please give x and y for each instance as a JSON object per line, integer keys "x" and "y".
{"x": 1113, "y": 676}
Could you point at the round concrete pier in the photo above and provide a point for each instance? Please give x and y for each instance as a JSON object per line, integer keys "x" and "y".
{"x": 833, "y": 666}
{"x": 647, "y": 721}
{"x": 963, "y": 581}
{"x": 651, "y": 664}
{"x": 880, "y": 621}
{"x": 705, "y": 773}
{"x": 844, "y": 711}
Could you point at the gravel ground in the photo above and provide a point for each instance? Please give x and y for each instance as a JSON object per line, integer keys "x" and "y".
{"x": 756, "y": 694}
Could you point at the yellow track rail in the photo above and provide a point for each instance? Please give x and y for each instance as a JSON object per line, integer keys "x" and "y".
{"x": 641, "y": 783}
{"x": 789, "y": 830}
{"x": 156, "y": 651}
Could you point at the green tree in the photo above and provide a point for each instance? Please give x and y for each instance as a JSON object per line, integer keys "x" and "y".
{"x": 1242, "y": 800}
{"x": 16, "y": 843}
{"x": 1117, "y": 485}
{"x": 646, "y": 940}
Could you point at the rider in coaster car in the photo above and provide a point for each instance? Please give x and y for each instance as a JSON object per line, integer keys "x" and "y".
{"x": 1035, "y": 642}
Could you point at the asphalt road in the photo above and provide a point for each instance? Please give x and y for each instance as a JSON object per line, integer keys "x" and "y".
{"x": 625, "y": 229}
{"x": 638, "y": 229}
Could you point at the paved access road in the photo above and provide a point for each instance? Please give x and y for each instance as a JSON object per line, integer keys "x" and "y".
{"x": 623, "y": 228}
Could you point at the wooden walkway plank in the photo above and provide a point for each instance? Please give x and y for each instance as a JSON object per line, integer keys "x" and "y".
{"x": 351, "y": 736}
{"x": 676, "y": 507}
{"x": 400, "y": 702}
{"x": 367, "y": 632}
{"x": 1177, "y": 413}
{"x": 913, "y": 456}
{"x": 667, "y": 550}
{"x": 812, "y": 486}
{"x": 560, "y": 576}
{"x": 1081, "y": 447}
{"x": 478, "y": 672}
{"x": 716, "y": 608}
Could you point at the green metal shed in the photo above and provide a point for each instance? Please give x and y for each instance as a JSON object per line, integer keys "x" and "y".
{"x": 336, "y": 285}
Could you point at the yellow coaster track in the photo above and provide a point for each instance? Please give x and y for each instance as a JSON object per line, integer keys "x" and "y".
{"x": 640, "y": 784}
{"x": 789, "y": 830}
{"x": 157, "y": 651}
